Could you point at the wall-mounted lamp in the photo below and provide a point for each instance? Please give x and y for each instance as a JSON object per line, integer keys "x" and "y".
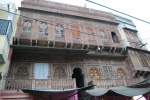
{"x": 98, "y": 48}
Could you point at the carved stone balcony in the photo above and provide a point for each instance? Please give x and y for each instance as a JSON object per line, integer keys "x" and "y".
{"x": 39, "y": 84}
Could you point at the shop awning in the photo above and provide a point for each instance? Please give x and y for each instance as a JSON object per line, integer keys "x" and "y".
{"x": 125, "y": 91}
{"x": 56, "y": 91}
{"x": 144, "y": 84}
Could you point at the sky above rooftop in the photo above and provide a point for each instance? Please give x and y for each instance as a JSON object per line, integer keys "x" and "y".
{"x": 136, "y": 8}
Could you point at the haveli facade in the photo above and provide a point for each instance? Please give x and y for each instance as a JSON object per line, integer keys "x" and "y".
{"x": 59, "y": 46}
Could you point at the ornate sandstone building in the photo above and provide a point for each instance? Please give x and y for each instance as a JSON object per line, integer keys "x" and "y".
{"x": 58, "y": 46}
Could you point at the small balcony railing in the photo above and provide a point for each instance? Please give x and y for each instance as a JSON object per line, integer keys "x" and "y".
{"x": 39, "y": 84}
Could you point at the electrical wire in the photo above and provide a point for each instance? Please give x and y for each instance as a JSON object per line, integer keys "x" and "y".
{"x": 118, "y": 11}
{"x": 51, "y": 23}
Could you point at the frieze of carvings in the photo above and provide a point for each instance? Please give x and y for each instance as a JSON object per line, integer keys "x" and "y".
{"x": 76, "y": 60}
{"x": 31, "y": 57}
{"x": 106, "y": 61}
{"x": 58, "y": 59}
{"x": 118, "y": 62}
{"x": 25, "y": 35}
{"x": 23, "y": 57}
{"x": 42, "y": 37}
{"x": 92, "y": 60}
{"x": 41, "y": 58}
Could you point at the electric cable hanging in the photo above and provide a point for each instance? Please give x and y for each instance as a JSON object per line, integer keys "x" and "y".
{"x": 118, "y": 11}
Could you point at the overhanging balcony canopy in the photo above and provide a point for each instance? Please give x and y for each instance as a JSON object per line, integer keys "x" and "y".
{"x": 50, "y": 49}
{"x": 145, "y": 83}
{"x": 122, "y": 91}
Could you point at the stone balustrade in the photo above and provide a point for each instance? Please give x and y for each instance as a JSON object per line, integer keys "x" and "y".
{"x": 39, "y": 84}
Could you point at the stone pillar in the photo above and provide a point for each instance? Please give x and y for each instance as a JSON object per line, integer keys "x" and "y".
{"x": 49, "y": 83}
{"x": 114, "y": 81}
{"x": 3, "y": 82}
{"x": 124, "y": 80}
{"x": 74, "y": 83}
{"x": 33, "y": 84}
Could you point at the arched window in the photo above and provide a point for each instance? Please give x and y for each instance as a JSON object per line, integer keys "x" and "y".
{"x": 137, "y": 59}
{"x": 59, "y": 30}
{"x": 22, "y": 72}
{"x": 91, "y": 34}
{"x": 114, "y": 37}
{"x": 108, "y": 72}
{"x": 94, "y": 73}
{"x": 144, "y": 60}
{"x": 103, "y": 36}
{"x": 75, "y": 32}
{"x": 60, "y": 73}
{"x": 26, "y": 27}
{"x": 43, "y": 29}
{"x": 120, "y": 72}
{"x": 133, "y": 58}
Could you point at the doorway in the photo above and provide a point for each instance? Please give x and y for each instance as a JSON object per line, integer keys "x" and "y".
{"x": 77, "y": 73}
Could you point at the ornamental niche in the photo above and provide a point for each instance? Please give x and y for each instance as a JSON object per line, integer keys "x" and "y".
{"x": 120, "y": 72}
{"x": 94, "y": 73}
{"x": 60, "y": 73}
{"x": 22, "y": 72}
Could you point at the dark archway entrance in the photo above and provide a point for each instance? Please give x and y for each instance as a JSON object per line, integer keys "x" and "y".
{"x": 77, "y": 73}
